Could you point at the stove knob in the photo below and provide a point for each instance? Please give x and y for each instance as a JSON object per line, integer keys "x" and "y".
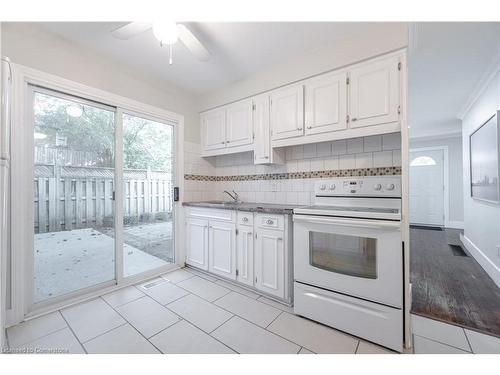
{"x": 322, "y": 187}
{"x": 389, "y": 186}
{"x": 377, "y": 187}
{"x": 332, "y": 187}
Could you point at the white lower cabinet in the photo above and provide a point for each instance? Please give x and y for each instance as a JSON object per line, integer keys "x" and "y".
{"x": 222, "y": 249}
{"x": 251, "y": 249}
{"x": 270, "y": 262}
{"x": 244, "y": 254}
{"x": 197, "y": 243}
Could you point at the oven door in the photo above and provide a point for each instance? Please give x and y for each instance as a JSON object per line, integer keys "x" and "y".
{"x": 357, "y": 257}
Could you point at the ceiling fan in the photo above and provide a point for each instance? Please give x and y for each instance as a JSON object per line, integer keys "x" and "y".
{"x": 167, "y": 34}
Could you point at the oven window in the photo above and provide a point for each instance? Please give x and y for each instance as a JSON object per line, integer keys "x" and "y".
{"x": 348, "y": 255}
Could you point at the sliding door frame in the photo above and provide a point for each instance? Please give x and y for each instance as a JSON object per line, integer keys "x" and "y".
{"x": 22, "y": 215}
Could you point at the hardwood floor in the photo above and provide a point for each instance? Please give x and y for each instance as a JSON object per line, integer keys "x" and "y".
{"x": 451, "y": 287}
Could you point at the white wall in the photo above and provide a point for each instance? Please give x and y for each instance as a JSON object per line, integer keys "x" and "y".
{"x": 383, "y": 38}
{"x": 482, "y": 220}
{"x": 32, "y": 46}
{"x": 455, "y": 173}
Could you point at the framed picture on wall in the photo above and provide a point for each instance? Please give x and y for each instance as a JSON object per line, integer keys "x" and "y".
{"x": 484, "y": 161}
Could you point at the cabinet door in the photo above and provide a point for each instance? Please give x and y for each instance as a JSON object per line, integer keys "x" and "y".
{"x": 244, "y": 254}
{"x": 374, "y": 93}
{"x": 213, "y": 128}
{"x": 270, "y": 262}
{"x": 197, "y": 243}
{"x": 239, "y": 126}
{"x": 222, "y": 249}
{"x": 287, "y": 112}
{"x": 326, "y": 104}
{"x": 261, "y": 116}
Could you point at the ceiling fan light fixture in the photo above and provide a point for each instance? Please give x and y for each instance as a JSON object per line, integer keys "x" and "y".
{"x": 166, "y": 32}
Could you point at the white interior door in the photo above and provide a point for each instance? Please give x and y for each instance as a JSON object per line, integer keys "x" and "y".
{"x": 427, "y": 187}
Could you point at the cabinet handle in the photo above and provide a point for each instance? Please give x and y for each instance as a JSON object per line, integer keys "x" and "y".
{"x": 223, "y": 142}
{"x": 266, "y": 157}
{"x": 280, "y": 239}
{"x": 309, "y": 127}
{"x": 245, "y": 219}
{"x": 269, "y": 221}
{"x": 354, "y": 119}
{"x": 299, "y": 128}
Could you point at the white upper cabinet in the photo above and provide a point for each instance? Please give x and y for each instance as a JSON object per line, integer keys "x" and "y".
{"x": 239, "y": 125}
{"x": 213, "y": 128}
{"x": 287, "y": 112}
{"x": 326, "y": 104}
{"x": 374, "y": 92}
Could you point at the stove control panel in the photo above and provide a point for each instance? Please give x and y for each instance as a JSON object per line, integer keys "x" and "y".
{"x": 369, "y": 186}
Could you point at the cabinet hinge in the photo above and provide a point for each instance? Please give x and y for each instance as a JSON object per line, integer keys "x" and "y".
{"x": 399, "y": 109}
{"x": 255, "y": 279}
{"x": 347, "y": 118}
{"x": 399, "y": 65}
{"x": 253, "y": 135}
{"x": 347, "y": 80}
{"x": 237, "y": 272}
{"x": 237, "y": 231}
{"x": 253, "y": 107}
{"x": 255, "y": 235}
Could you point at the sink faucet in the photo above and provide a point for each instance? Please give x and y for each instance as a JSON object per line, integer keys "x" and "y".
{"x": 234, "y": 196}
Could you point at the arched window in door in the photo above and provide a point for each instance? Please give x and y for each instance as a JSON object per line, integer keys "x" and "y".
{"x": 422, "y": 161}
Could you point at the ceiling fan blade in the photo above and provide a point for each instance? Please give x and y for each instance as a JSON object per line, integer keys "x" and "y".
{"x": 130, "y": 30}
{"x": 192, "y": 43}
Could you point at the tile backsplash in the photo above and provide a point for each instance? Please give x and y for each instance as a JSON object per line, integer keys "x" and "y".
{"x": 368, "y": 153}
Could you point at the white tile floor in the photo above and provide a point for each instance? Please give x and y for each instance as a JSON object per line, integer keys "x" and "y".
{"x": 189, "y": 312}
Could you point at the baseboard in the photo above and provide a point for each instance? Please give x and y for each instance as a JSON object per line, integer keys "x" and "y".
{"x": 454, "y": 224}
{"x": 491, "y": 269}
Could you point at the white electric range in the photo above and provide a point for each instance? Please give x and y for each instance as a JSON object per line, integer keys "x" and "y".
{"x": 348, "y": 258}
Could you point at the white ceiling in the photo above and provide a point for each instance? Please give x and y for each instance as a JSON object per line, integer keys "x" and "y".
{"x": 238, "y": 49}
{"x": 446, "y": 61}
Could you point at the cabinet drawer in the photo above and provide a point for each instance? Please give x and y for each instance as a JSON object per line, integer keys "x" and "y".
{"x": 210, "y": 213}
{"x": 244, "y": 218}
{"x": 270, "y": 221}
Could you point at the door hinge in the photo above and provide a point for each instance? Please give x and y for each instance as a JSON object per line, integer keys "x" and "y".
{"x": 347, "y": 81}
{"x": 114, "y": 196}
{"x": 399, "y": 65}
{"x": 237, "y": 272}
{"x": 399, "y": 109}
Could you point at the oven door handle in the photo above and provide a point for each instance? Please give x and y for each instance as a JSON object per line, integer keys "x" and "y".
{"x": 349, "y": 223}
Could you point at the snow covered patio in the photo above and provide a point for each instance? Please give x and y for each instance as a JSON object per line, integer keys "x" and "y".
{"x": 71, "y": 260}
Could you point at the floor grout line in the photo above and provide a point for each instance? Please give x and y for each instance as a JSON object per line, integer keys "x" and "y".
{"x": 277, "y": 316}
{"x": 130, "y": 324}
{"x": 468, "y": 341}
{"x": 73, "y": 332}
{"x": 357, "y": 347}
{"x": 443, "y": 343}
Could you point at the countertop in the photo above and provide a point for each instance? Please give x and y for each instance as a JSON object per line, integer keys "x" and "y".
{"x": 284, "y": 209}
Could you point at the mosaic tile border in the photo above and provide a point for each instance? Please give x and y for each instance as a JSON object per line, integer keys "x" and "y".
{"x": 383, "y": 171}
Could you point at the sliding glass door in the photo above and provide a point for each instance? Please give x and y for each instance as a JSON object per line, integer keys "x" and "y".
{"x": 74, "y": 179}
{"x": 78, "y": 246}
{"x": 148, "y": 241}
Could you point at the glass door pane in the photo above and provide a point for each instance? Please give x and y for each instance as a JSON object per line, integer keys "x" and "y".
{"x": 74, "y": 169}
{"x": 148, "y": 235}
{"x": 348, "y": 255}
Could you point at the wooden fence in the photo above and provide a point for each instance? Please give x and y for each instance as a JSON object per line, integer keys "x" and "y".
{"x": 70, "y": 197}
